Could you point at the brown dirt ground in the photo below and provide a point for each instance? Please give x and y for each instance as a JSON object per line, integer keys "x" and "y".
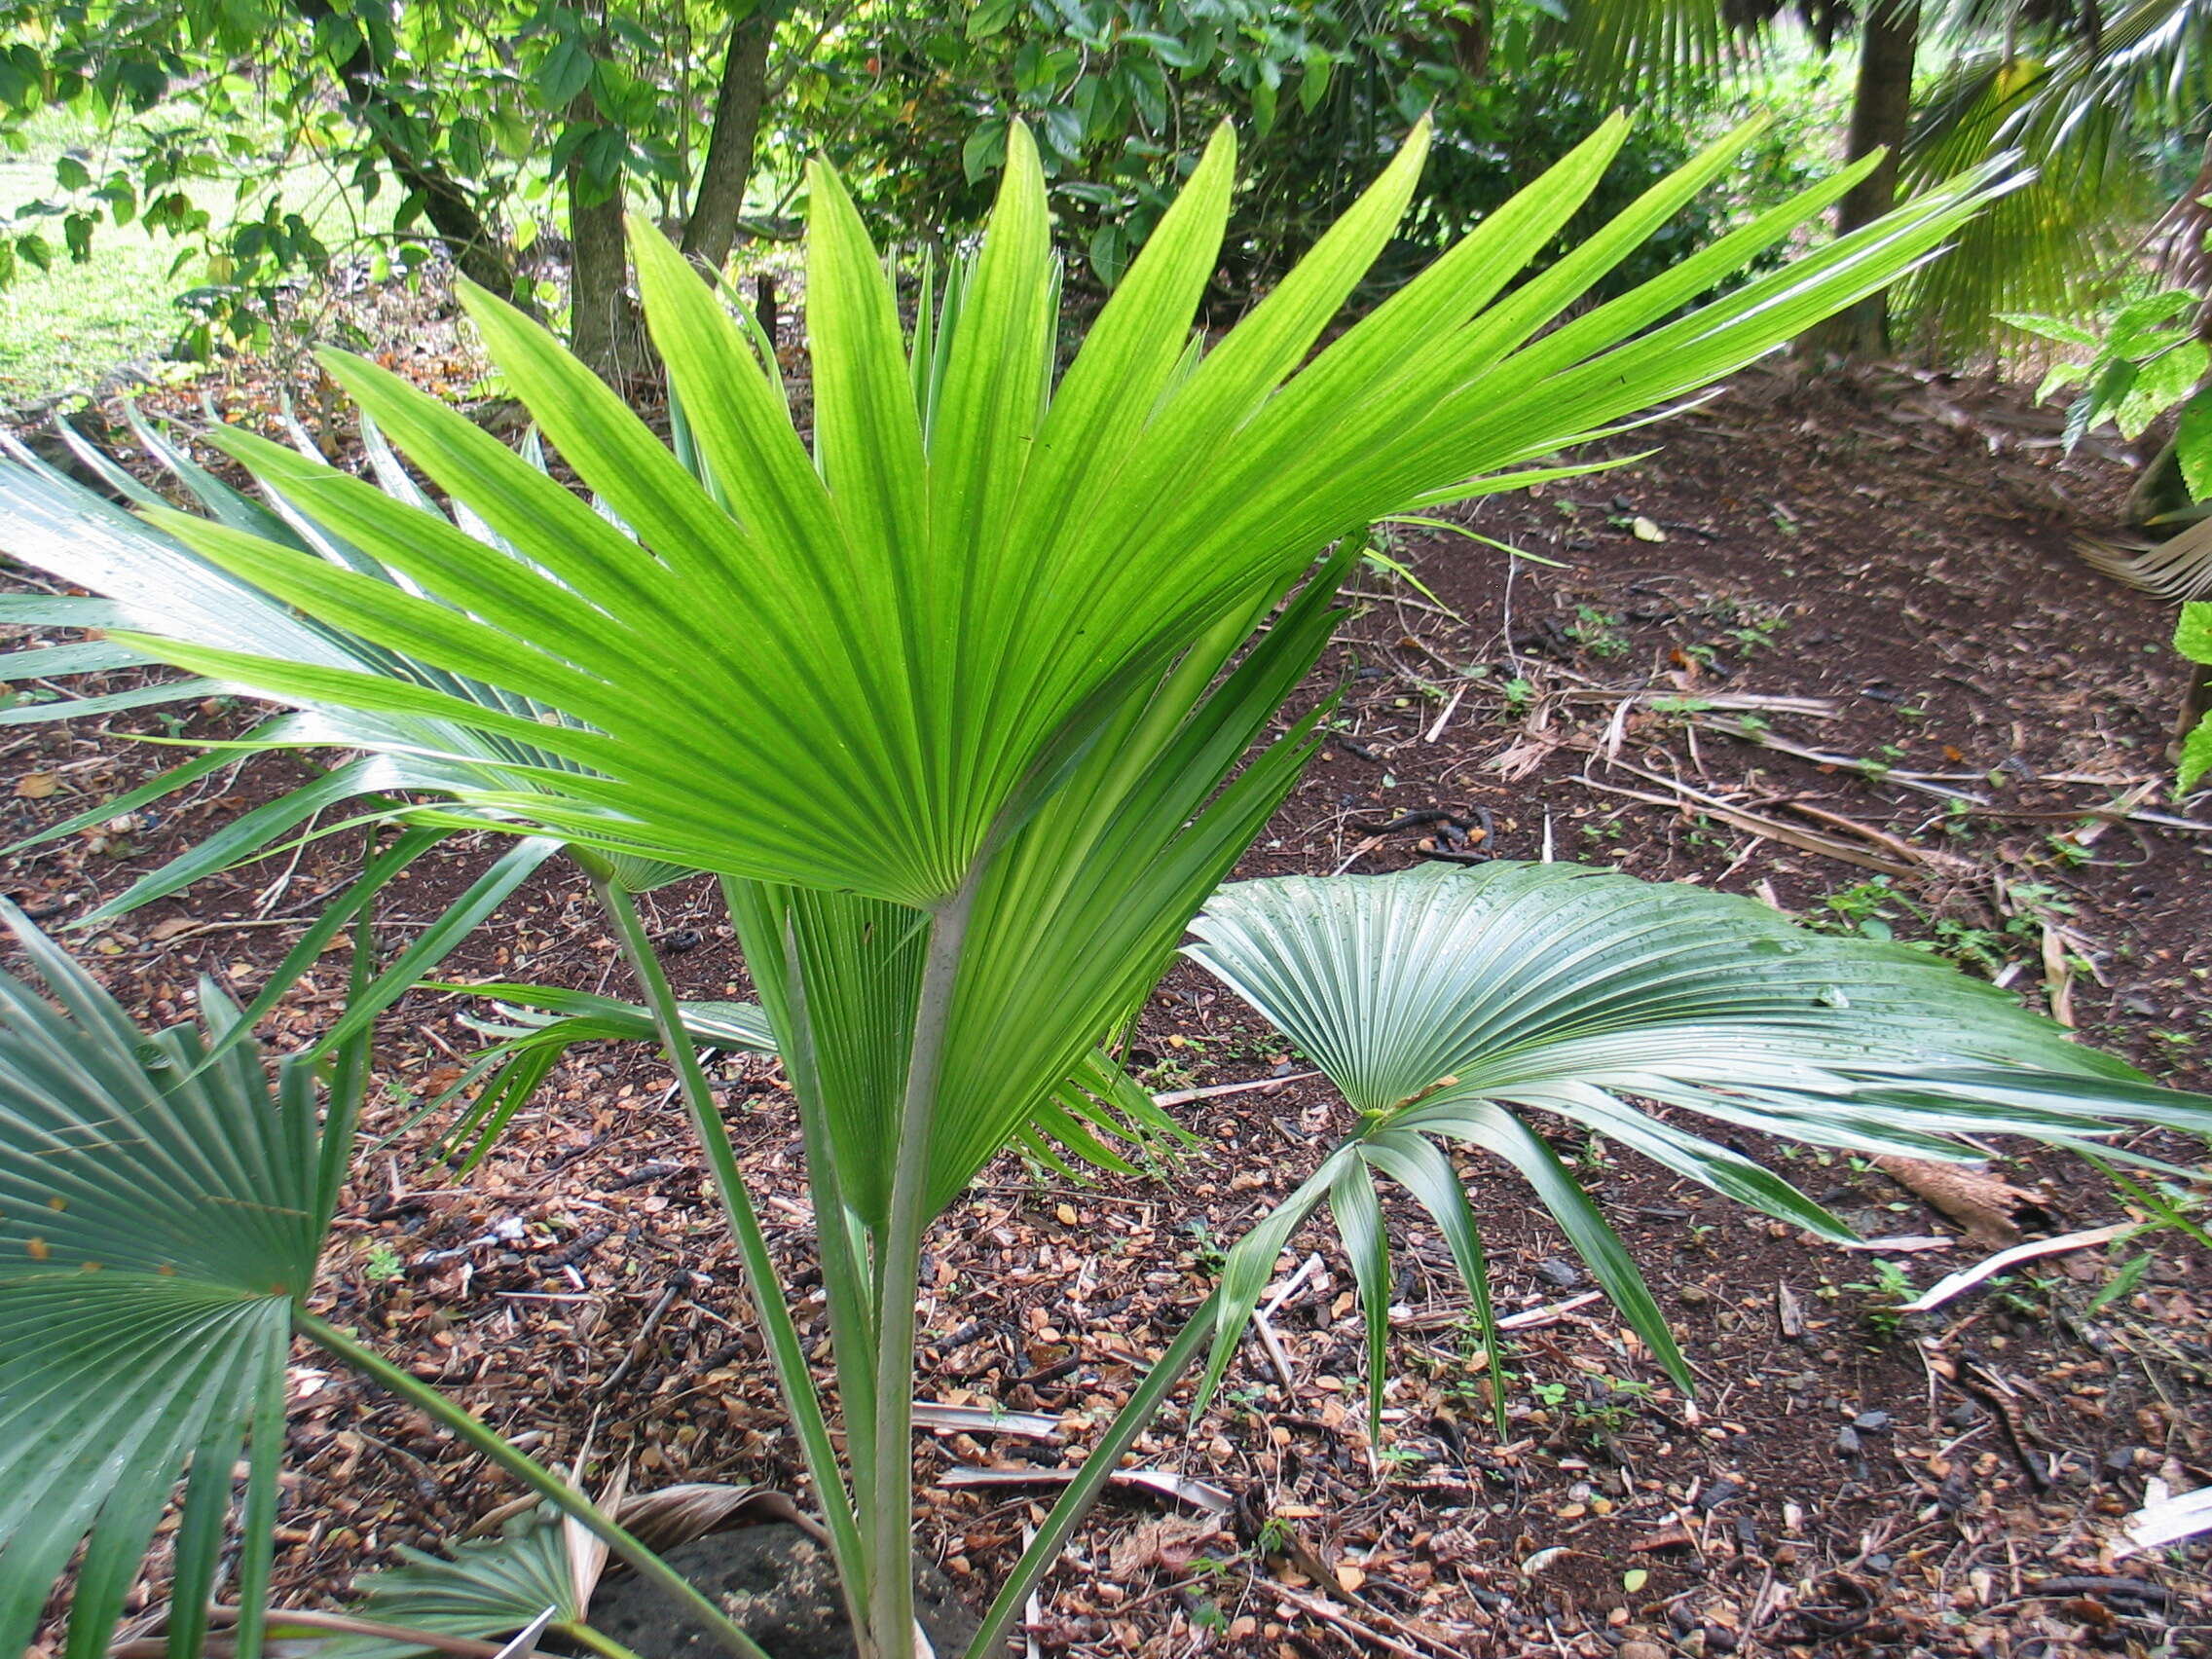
{"x": 1893, "y": 548}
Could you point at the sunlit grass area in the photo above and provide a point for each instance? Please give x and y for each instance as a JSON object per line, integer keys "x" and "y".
{"x": 70, "y": 327}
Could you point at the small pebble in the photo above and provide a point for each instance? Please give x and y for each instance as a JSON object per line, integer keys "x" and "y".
{"x": 1846, "y": 1442}
{"x": 1870, "y": 1423}
{"x": 1641, "y": 1650}
{"x": 1564, "y": 1275}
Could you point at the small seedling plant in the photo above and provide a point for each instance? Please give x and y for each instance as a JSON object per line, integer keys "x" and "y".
{"x": 971, "y": 695}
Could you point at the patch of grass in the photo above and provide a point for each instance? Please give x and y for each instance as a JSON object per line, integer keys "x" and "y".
{"x": 69, "y": 327}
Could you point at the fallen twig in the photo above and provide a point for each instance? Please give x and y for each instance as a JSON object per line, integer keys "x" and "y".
{"x": 2166, "y": 1519}
{"x": 1689, "y": 801}
{"x": 1966, "y": 1279}
{"x": 1214, "y": 1092}
{"x": 1898, "y": 1246}
{"x": 1199, "y": 1494}
{"x": 1346, "y": 1623}
{"x": 675, "y": 1288}
{"x": 985, "y": 1419}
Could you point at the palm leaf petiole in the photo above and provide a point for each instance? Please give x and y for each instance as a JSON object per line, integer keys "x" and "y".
{"x": 898, "y": 1271}
{"x": 782, "y": 1336}
{"x": 532, "y": 1473}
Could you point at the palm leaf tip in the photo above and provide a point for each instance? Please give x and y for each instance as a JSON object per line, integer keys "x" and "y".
{"x": 157, "y": 1217}
{"x": 1445, "y": 1003}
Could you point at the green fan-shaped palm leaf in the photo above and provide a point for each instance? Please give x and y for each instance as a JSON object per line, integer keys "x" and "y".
{"x": 923, "y": 629}
{"x": 54, "y": 523}
{"x": 1444, "y": 1001}
{"x": 157, "y": 1218}
{"x": 485, "y": 1588}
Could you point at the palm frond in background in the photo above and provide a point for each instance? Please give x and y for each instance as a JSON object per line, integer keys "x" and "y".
{"x": 2082, "y": 108}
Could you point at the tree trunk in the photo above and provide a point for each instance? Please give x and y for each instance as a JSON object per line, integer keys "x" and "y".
{"x": 711, "y": 228}
{"x": 601, "y": 328}
{"x": 1881, "y": 118}
{"x": 479, "y": 255}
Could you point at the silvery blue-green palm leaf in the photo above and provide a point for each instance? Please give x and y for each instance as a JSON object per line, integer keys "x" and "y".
{"x": 1446, "y": 1002}
{"x": 860, "y": 665}
{"x": 158, "y": 1219}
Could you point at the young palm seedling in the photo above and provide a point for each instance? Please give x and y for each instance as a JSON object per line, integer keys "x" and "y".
{"x": 972, "y": 702}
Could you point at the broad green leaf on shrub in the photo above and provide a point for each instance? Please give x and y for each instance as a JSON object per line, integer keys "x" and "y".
{"x": 2192, "y": 639}
{"x": 2060, "y": 329}
{"x": 2160, "y": 383}
{"x": 1446, "y": 1002}
{"x": 2193, "y": 446}
{"x": 2192, "y": 633}
{"x": 2195, "y": 757}
{"x": 158, "y": 1219}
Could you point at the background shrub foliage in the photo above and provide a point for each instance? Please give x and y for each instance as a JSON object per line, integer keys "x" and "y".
{"x": 1121, "y": 93}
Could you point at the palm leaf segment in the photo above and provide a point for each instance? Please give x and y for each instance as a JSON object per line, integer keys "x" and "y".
{"x": 157, "y": 1218}
{"x": 1444, "y": 1001}
{"x": 541, "y": 1023}
{"x": 152, "y": 581}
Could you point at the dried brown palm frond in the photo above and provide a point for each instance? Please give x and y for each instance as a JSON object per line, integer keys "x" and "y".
{"x": 2177, "y": 567}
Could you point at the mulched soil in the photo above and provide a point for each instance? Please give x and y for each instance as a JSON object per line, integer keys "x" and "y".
{"x": 1828, "y": 648}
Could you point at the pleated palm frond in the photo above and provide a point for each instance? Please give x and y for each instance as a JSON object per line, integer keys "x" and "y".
{"x": 540, "y": 1566}
{"x": 537, "y": 1027}
{"x": 2081, "y": 109}
{"x": 2178, "y": 567}
{"x": 159, "y": 1217}
{"x": 972, "y": 648}
{"x": 1666, "y": 47}
{"x": 484, "y": 1589}
{"x": 1091, "y": 1105}
{"x": 921, "y": 628}
{"x": 147, "y": 578}
{"x": 1447, "y": 1002}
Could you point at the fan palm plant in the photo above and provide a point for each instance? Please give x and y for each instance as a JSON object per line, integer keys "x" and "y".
{"x": 2082, "y": 93}
{"x": 972, "y": 705}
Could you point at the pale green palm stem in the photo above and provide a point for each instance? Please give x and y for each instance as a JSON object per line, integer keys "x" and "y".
{"x": 890, "y": 1521}
{"x": 1082, "y": 1491}
{"x": 843, "y": 1246}
{"x": 606, "y": 1646}
{"x": 532, "y": 1473}
{"x": 781, "y": 1335}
